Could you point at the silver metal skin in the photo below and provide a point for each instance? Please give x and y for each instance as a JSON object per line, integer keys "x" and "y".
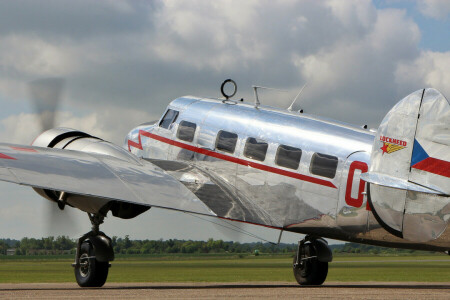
{"x": 92, "y": 180}
{"x": 269, "y": 197}
{"x": 408, "y": 208}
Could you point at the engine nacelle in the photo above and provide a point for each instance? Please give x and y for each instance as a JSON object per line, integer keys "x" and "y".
{"x": 71, "y": 139}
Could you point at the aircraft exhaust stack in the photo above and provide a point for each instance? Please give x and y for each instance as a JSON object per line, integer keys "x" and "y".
{"x": 409, "y": 175}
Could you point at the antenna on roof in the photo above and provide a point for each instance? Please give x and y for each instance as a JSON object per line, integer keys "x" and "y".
{"x": 222, "y": 89}
{"x": 255, "y": 89}
{"x": 296, "y": 97}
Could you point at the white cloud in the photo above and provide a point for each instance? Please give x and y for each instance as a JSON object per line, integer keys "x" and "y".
{"x": 430, "y": 69}
{"x": 33, "y": 56}
{"x": 110, "y": 124}
{"x": 344, "y": 49}
{"x": 354, "y": 12}
{"x": 349, "y": 76}
{"x": 437, "y": 9}
{"x": 19, "y": 129}
{"x": 187, "y": 31}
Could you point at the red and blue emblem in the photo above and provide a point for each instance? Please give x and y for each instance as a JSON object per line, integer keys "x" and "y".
{"x": 420, "y": 160}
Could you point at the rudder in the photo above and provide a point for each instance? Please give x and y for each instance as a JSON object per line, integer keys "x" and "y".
{"x": 409, "y": 174}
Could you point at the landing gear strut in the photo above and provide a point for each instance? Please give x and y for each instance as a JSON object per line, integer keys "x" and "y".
{"x": 311, "y": 261}
{"x": 94, "y": 252}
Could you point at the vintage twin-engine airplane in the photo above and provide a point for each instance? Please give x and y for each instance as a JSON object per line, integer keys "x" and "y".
{"x": 260, "y": 165}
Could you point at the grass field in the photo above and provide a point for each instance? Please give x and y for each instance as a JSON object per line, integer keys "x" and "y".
{"x": 434, "y": 268}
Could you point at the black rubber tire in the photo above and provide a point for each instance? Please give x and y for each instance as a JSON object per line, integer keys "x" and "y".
{"x": 312, "y": 272}
{"x": 95, "y": 273}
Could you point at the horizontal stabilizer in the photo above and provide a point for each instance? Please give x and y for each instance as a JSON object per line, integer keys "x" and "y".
{"x": 397, "y": 183}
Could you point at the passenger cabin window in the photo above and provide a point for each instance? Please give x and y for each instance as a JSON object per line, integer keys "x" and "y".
{"x": 288, "y": 157}
{"x": 186, "y": 131}
{"x": 255, "y": 149}
{"x": 226, "y": 141}
{"x": 170, "y": 117}
{"x": 324, "y": 165}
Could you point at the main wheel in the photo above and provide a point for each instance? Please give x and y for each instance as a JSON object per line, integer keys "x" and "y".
{"x": 310, "y": 271}
{"x": 90, "y": 272}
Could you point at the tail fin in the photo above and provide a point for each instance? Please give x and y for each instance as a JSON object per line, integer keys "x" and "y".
{"x": 409, "y": 174}
{"x": 430, "y": 162}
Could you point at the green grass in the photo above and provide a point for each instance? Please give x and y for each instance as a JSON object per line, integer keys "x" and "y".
{"x": 230, "y": 268}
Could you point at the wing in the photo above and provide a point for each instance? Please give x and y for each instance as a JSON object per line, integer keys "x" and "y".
{"x": 95, "y": 181}
{"x": 128, "y": 187}
{"x": 215, "y": 190}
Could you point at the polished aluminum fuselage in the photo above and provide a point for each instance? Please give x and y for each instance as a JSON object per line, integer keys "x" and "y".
{"x": 265, "y": 193}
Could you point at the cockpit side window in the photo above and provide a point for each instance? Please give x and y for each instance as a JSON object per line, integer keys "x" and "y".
{"x": 186, "y": 131}
{"x": 256, "y": 149}
{"x": 324, "y": 165}
{"x": 170, "y": 117}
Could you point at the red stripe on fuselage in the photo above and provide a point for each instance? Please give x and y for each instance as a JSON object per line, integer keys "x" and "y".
{"x": 134, "y": 144}
{"x": 230, "y": 159}
{"x": 434, "y": 165}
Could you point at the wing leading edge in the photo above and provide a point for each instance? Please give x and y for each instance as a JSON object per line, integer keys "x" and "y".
{"x": 93, "y": 180}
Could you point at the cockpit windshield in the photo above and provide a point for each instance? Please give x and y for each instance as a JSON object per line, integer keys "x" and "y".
{"x": 170, "y": 117}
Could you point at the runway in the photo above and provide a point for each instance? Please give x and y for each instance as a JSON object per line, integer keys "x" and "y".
{"x": 285, "y": 290}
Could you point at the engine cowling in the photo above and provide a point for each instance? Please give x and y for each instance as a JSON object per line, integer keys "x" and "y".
{"x": 71, "y": 139}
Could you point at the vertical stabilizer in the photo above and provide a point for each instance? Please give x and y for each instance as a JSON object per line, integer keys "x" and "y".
{"x": 430, "y": 163}
{"x": 409, "y": 172}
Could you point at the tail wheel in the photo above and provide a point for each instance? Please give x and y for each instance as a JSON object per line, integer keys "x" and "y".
{"x": 310, "y": 271}
{"x": 90, "y": 272}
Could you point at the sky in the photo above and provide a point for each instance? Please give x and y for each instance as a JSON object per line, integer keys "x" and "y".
{"x": 124, "y": 61}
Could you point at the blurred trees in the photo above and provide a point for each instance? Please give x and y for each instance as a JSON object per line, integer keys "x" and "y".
{"x": 65, "y": 245}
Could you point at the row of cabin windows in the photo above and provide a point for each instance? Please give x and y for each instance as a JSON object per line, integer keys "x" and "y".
{"x": 286, "y": 156}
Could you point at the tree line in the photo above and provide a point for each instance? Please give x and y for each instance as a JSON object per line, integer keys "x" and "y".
{"x": 64, "y": 245}
{"x": 355, "y": 248}
{"x": 47, "y": 245}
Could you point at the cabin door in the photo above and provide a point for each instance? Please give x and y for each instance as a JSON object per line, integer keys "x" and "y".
{"x": 353, "y": 210}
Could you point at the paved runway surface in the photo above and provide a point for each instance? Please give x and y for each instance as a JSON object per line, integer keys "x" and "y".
{"x": 285, "y": 290}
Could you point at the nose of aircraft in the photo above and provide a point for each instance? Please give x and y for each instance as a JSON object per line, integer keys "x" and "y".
{"x": 133, "y": 138}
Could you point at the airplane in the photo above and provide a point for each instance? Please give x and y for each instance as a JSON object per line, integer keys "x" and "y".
{"x": 247, "y": 162}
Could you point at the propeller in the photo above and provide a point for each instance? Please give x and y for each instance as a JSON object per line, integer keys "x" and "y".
{"x": 45, "y": 96}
